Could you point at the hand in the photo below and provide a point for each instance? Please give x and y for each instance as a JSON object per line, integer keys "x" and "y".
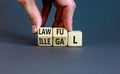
{"x": 63, "y": 16}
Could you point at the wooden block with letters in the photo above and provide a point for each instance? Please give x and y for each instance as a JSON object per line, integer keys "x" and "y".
{"x": 45, "y": 36}
{"x": 59, "y": 37}
{"x": 75, "y": 38}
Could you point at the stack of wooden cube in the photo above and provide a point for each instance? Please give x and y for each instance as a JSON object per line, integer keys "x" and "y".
{"x": 48, "y": 36}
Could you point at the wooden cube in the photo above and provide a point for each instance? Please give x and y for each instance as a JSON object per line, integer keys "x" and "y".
{"x": 45, "y": 36}
{"x": 75, "y": 38}
{"x": 59, "y": 37}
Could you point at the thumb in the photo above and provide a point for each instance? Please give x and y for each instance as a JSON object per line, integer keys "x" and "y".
{"x": 33, "y": 13}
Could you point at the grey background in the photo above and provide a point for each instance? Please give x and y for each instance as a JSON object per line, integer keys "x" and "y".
{"x": 98, "y": 20}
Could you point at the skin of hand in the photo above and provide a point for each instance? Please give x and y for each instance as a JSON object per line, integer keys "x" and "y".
{"x": 63, "y": 16}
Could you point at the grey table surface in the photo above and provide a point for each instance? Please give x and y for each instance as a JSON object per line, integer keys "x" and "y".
{"x": 99, "y": 20}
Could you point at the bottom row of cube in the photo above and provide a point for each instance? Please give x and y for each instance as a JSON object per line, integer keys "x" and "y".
{"x": 48, "y": 36}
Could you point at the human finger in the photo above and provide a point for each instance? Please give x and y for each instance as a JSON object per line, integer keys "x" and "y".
{"x": 68, "y": 11}
{"x": 58, "y": 15}
{"x": 47, "y": 4}
{"x": 33, "y": 12}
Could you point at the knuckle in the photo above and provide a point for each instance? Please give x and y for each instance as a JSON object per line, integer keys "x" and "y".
{"x": 72, "y": 5}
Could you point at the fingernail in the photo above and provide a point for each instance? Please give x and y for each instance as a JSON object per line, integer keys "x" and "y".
{"x": 34, "y": 29}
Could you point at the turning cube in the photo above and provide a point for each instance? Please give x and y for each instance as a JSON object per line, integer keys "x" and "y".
{"x": 75, "y": 38}
{"x": 59, "y": 37}
{"x": 45, "y": 36}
